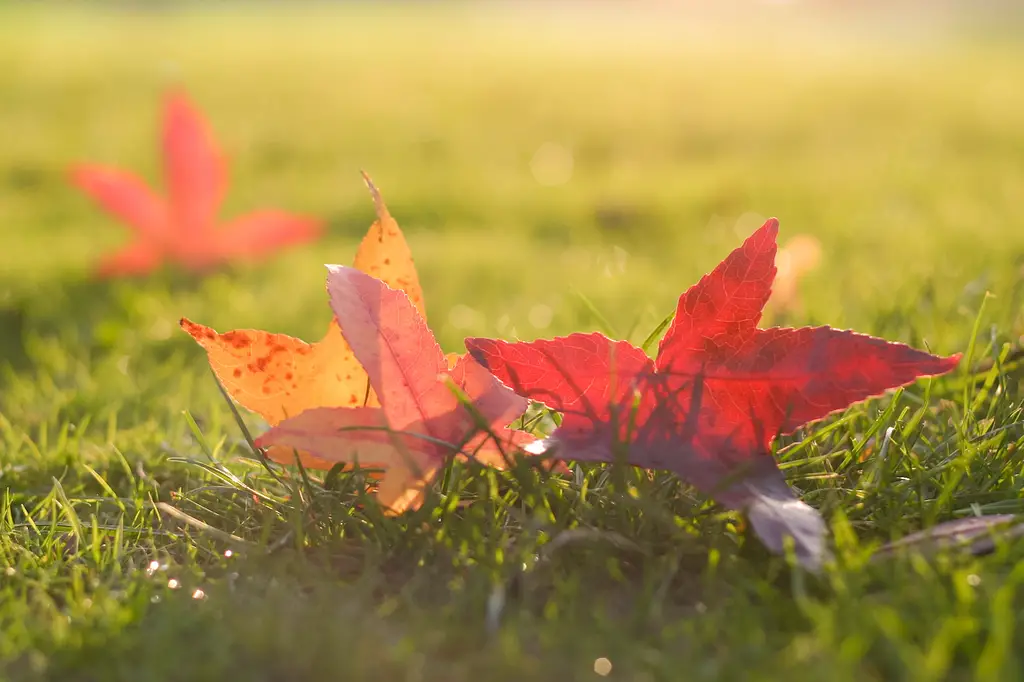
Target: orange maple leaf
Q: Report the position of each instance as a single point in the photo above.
(279, 376)
(284, 378)
(183, 227)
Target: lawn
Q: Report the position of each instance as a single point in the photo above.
(553, 172)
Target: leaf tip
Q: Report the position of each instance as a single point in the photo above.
(343, 275)
(945, 364)
(176, 99)
(776, 518)
(201, 333)
(378, 201)
(475, 346)
(77, 172)
(767, 235)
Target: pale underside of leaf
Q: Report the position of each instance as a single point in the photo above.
(427, 423)
(776, 514)
(779, 517)
(496, 403)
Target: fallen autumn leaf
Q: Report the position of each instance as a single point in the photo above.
(717, 395)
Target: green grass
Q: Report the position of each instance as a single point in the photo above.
(899, 150)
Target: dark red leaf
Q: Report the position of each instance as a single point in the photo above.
(718, 393)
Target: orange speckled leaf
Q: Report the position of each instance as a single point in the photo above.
(279, 376)
(385, 254)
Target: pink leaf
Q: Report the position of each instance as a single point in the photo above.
(495, 402)
(393, 344)
(341, 434)
(495, 448)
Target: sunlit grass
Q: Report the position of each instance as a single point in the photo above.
(902, 158)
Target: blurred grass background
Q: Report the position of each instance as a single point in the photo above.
(536, 156)
(663, 140)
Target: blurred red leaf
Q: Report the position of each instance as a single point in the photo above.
(183, 227)
(717, 395)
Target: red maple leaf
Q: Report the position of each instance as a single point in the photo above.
(183, 228)
(420, 423)
(717, 395)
